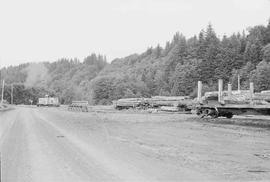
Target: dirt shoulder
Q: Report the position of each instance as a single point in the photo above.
(244, 120)
(173, 146)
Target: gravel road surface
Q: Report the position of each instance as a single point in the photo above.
(53, 145)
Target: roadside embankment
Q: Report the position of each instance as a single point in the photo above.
(5, 107)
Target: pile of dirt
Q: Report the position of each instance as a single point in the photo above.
(4, 107)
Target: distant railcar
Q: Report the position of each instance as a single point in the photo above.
(48, 101)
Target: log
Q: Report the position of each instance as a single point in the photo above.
(169, 109)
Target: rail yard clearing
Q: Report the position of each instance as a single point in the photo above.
(52, 144)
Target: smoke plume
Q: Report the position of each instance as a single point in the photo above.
(37, 75)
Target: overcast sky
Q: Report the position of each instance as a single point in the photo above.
(45, 30)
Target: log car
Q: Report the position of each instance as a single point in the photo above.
(228, 110)
(78, 106)
(242, 103)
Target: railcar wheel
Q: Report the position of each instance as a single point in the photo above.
(213, 113)
(229, 115)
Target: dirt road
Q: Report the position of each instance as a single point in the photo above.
(47, 144)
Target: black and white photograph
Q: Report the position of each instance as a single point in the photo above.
(134, 90)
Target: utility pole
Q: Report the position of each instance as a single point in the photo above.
(11, 102)
(3, 88)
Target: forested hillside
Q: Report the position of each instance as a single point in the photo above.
(170, 70)
(68, 79)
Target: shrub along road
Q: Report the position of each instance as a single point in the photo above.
(48, 144)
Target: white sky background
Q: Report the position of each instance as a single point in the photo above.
(35, 30)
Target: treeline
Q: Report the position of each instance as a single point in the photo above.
(24, 95)
(170, 70)
(176, 68)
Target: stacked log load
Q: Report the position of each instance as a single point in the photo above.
(130, 103)
(237, 97)
(240, 97)
(158, 101)
(262, 96)
(185, 103)
(167, 103)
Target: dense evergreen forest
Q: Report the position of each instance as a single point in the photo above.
(170, 70)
